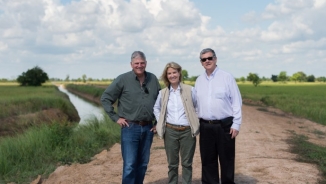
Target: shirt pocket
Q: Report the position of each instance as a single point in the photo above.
(219, 93)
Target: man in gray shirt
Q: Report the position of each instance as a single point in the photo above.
(136, 92)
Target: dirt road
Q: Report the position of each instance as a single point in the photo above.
(262, 155)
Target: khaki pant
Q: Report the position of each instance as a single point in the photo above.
(179, 142)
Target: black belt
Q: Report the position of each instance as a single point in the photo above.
(210, 121)
(141, 123)
(177, 127)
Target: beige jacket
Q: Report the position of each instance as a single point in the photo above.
(185, 91)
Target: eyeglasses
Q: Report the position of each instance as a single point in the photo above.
(144, 88)
(204, 59)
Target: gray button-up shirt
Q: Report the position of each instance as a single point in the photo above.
(135, 102)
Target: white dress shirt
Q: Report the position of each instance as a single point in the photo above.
(175, 112)
(218, 97)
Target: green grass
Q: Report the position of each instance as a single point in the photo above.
(41, 149)
(17, 100)
(302, 100)
(23, 107)
(310, 153)
(95, 91)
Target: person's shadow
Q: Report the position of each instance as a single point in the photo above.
(165, 181)
(238, 178)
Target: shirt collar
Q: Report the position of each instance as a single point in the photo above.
(135, 76)
(171, 89)
(212, 74)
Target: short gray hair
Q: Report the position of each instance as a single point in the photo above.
(204, 51)
(138, 54)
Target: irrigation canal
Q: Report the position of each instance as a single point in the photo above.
(86, 110)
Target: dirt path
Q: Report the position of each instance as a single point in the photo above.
(262, 155)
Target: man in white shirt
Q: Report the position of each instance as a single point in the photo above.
(219, 111)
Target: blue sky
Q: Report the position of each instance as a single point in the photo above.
(97, 37)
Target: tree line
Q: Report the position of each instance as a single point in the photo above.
(283, 78)
(36, 76)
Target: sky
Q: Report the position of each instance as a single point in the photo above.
(97, 37)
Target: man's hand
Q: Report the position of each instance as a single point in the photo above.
(153, 129)
(122, 122)
(233, 133)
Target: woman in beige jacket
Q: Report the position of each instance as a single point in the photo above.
(177, 122)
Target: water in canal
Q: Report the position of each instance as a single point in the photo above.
(85, 109)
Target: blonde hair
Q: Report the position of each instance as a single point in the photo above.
(164, 76)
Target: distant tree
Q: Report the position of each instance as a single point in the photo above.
(242, 79)
(303, 77)
(274, 78)
(184, 75)
(250, 77)
(256, 81)
(84, 77)
(321, 79)
(33, 77)
(55, 79)
(282, 77)
(299, 76)
(254, 78)
(67, 78)
(311, 78)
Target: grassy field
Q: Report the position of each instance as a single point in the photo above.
(22, 107)
(16, 100)
(303, 100)
(94, 90)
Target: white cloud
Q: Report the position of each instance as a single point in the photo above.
(96, 37)
(3, 47)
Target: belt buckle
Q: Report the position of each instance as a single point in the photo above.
(180, 127)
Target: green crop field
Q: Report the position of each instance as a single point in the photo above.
(303, 100)
(16, 100)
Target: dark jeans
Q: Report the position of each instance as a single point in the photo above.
(216, 145)
(136, 142)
